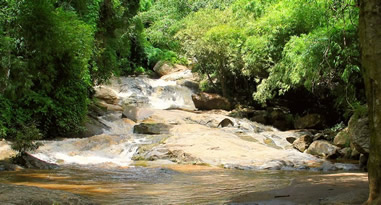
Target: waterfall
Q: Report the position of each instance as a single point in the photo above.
(94, 150)
(118, 144)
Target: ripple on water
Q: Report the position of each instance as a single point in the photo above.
(153, 185)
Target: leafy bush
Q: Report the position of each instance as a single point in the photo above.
(25, 137)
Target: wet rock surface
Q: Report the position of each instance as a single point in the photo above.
(160, 107)
(28, 161)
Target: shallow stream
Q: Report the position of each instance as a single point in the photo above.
(100, 167)
(177, 184)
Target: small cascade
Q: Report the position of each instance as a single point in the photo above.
(152, 93)
(118, 144)
(101, 149)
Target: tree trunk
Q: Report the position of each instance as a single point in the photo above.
(370, 41)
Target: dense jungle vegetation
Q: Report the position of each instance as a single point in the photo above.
(259, 52)
(251, 51)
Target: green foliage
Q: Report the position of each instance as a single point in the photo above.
(267, 48)
(5, 116)
(51, 53)
(326, 60)
(25, 137)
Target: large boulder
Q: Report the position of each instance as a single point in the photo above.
(165, 68)
(12, 194)
(208, 101)
(152, 128)
(107, 95)
(136, 113)
(309, 121)
(324, 149)
(28, 161)
(358, 130)
(302, 143)
(192, 85)
(92, 127)
(342, 139)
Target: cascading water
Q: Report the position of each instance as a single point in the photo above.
(101, 149)
(106, 176)
(152, 93)
(118, 144)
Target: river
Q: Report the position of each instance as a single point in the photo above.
(103, 168)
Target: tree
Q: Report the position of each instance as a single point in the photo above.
(370, 40)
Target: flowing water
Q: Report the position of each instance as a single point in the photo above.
(139, 185)
(100, 167)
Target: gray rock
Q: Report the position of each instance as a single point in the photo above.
(358, 129)
(320, 136)
(324, 149)
(28, 161)
(6, 165)
(346, 153)
(157, 153)
(180, 156)
(291, 139)
(192, 85)
(363, 161)
(152, 128)
(164, 68)
(107, 95)
(342, 139)
(355, 154)
(93, 127)
(208, 101)
(137, 114)
(302, 143)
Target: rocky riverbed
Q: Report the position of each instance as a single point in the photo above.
(138, 121)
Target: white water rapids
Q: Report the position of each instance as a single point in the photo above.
(193, 136)
(118, 144)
